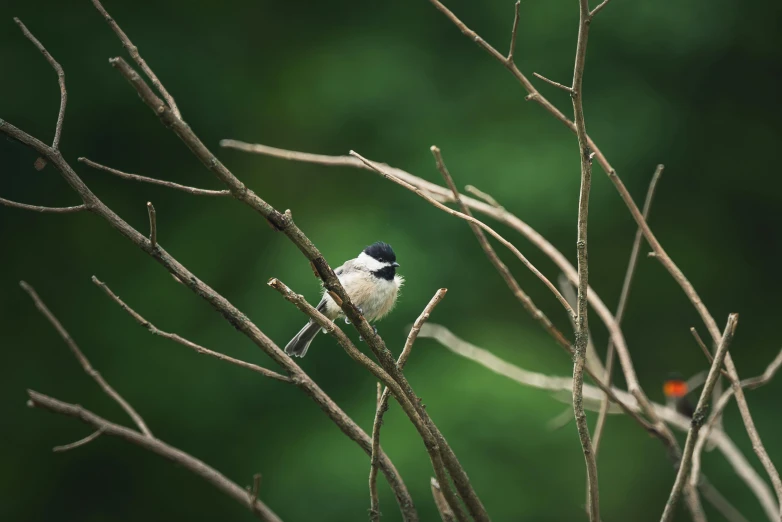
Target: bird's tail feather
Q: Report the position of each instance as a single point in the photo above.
(298, 346)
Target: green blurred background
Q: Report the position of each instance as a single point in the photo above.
(693, 85)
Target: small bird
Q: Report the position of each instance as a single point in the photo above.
(676, 390)
(372, 284)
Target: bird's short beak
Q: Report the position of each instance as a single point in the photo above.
(395, 264)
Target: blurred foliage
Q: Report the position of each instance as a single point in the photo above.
(693, 85)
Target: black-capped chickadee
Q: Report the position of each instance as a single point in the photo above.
(372, 284)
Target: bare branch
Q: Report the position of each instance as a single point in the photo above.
(622, 306)
(184, 342)
(588, 144)
(752, 383)
(558, 85)
(423, 429)
(514, 31)
(474, 221)
(446, 513)
(152, 224)
(593, 395)
(45, 210)
(382, 401)
(73, 445)
(144, 179)
(133, 52)
(180, 458)
(85, 364)
(698, 418)
(582, 324)
(60, 79)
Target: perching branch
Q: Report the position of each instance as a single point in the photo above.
(149, 443)
(84, 362)
(698, 418)
(231, 313)
(284, 223)
(405, 402)
(382, 402)
(184, 342)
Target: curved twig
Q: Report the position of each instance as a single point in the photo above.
(179, 457)
(84, 362)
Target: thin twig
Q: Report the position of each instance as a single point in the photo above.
(184, 342)
(705, 350)
(699, 417)
(474, 221)
(60, 79)
(256, 488)
(382, 401)
(179, 457)
(380, 373)
(767, 375)
(133, 52)
(45, 210)
(83, 361)
(513, 32)
(558, 85)
(152, 224)
(446, 513)
(598, 8)
(144, 179)
(81, 442)
(622, 306)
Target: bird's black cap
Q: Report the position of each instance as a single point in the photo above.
(381, 251)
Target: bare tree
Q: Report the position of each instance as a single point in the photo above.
(452, 491)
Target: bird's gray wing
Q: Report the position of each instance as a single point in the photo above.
(338, 271)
